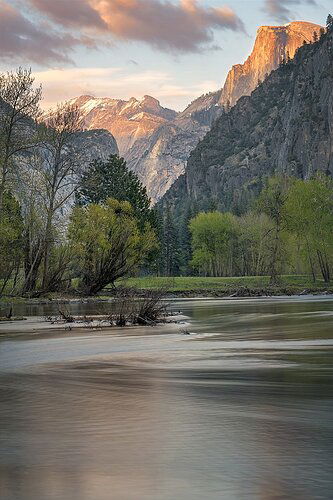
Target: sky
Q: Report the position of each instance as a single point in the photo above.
(173, 50)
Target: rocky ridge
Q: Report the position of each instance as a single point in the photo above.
(272, 45)
(285, 126)
(128, 121)
(156, 141)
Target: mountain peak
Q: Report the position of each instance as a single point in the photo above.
(128, 121)
(149, 99)
(272, 44)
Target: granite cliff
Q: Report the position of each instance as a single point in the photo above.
(272, 45)
(285, 126)
(156, 141)
(161, 157)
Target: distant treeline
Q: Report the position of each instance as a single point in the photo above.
(289, 229)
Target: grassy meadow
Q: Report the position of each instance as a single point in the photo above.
(292, 284)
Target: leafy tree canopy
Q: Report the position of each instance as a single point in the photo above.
(11, 227)
(212, 237)
(108, 243)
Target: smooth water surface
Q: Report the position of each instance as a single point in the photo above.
(242, 408)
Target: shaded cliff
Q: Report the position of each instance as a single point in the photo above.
(285, 126)
(160, 158)
(97, 143)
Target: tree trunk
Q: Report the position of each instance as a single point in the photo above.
(274, 273)
(47, 245)
(324, 266)
(310, 261)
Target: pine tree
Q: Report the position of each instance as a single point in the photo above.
(112, 179)
(170, 247)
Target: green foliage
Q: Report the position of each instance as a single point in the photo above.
(112, 179)
(309, 212)
(108, 243)
(272, 198)
(170, 245)
(213, 235)
(254, 242)
(11, 242)
(271, 203)
(11, 227)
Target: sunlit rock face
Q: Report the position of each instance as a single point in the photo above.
(155, 141)
(284, 127)
(160, 158)
(272, 45)
(128, 121)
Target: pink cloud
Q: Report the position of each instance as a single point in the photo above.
(70, 13)
(181, 27)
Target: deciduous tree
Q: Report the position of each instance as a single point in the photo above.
(19, 109)
(108, 243)
(214, 237)
(271, 203)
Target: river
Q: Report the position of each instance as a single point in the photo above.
(239, 408)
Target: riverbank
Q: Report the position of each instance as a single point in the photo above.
(241, 286)
(187, 287)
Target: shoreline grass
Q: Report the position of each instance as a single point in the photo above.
(184, 284)
(195, 286)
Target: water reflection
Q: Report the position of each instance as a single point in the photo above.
(173, 417)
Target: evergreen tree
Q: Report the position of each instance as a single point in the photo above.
(112, 179)
(329, 23)
(169, 245)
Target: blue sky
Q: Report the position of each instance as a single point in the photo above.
(126, 62)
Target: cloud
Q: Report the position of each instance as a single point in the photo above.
(177, 27)
(70, 13)
(117, 82)
(22, 39)
(280, 9)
